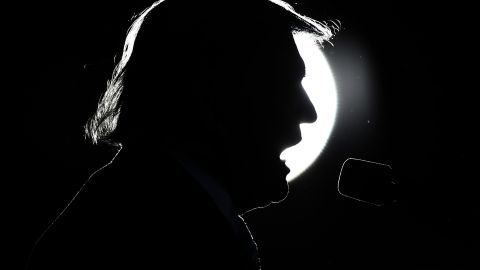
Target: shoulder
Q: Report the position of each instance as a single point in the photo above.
(143, 213)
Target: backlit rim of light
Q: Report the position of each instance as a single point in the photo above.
(319, 84)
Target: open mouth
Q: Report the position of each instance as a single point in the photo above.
(284, 166)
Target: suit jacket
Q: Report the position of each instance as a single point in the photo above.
(142, 213)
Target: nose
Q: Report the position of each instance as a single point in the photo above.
(307, 112)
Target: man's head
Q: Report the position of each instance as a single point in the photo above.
(222, 78)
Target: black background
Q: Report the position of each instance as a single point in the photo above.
(403, 72)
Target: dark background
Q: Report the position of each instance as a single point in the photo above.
(403, 73)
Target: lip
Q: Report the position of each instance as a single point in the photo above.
(286, 169)
(284, 165)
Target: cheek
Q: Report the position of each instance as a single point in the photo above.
(260, 117)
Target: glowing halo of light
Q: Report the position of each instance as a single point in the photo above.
(319, 84)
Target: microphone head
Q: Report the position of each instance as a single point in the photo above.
(367, 181)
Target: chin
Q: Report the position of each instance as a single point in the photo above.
(281, 193)
(266, 184)
(279, 198)
(280, 179)
(275, 192)
(275, 182)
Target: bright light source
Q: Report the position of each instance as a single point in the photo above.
(319, 85)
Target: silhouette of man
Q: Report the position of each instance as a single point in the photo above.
(206, 96)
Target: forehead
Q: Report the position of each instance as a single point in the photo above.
(278, 56)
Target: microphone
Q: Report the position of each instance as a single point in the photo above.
(368, 182)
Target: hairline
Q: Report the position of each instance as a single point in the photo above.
(103, 123)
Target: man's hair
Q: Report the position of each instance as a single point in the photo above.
(102, 125)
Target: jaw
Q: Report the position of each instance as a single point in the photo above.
(258, 188)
